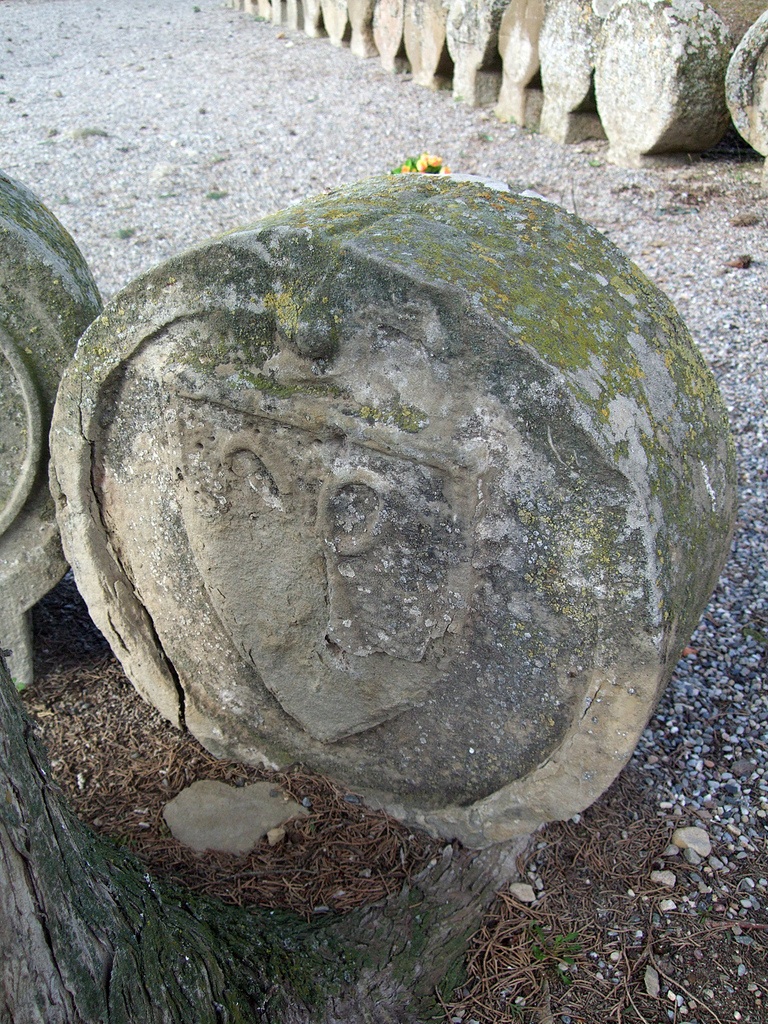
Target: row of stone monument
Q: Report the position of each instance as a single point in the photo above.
(421, 483)
(647, 74)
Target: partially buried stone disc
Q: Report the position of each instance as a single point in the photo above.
(47, 299)
(420, 483)
(746, 87)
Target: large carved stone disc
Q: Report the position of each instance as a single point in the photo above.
(410, 482)
(47, 299)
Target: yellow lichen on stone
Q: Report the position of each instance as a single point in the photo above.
(286, 310)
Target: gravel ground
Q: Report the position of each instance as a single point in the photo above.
(149, 125)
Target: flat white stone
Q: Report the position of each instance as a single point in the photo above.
(523, 892)
(210, 815)
(692, 838)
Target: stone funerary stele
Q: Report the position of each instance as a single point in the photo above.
(419, 482)
(47, 299)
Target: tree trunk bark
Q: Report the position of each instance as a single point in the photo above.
(87, 936)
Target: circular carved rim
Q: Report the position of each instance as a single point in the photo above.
(26, 478)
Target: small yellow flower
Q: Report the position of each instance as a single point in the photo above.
(426, 163)
(445, 169)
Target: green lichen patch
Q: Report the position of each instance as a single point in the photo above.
(404, 417)
(277, 389)
(47, 293)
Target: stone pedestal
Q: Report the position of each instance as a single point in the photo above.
(362, 43)
(567, 46)
(424, 29)
(472, 34)
(258, 8)
(519, 49)
(659, 75)
(279, 12)
(411, 483)
(388, 18)
(313, 19)
(47, 298)
(294, 14)
(336, 21)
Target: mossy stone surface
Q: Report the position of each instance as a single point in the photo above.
(418, 482)
(47, 299)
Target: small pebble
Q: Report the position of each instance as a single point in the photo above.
(275, 836)
(665, 878)
(523, 892)
(692, 838)
(742, 767)
(651, 979)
